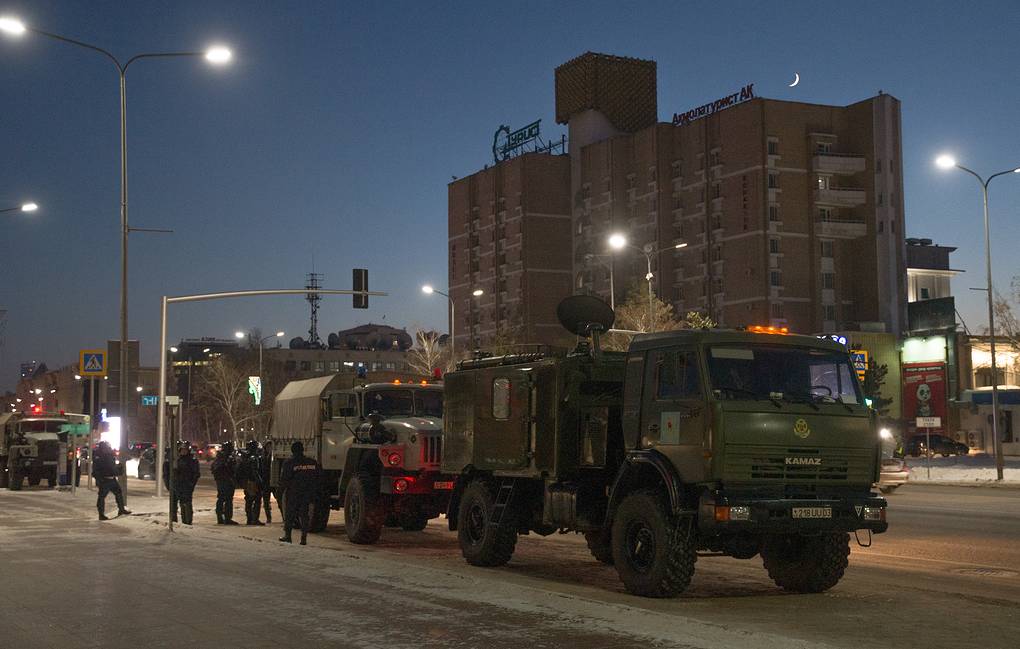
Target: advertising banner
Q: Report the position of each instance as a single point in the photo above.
(924, 394)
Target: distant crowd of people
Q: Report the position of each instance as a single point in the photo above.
(299, 483)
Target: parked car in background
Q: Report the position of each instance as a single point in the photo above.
(895, 473)
(940, 445)
(210, 452)
(136, 449)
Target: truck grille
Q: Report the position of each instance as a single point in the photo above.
(432, 450)
(797, 465)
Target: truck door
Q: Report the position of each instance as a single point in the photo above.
(338, 432)
(673, 408)
(503, 414)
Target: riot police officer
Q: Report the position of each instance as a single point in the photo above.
(106, 470)
(186, 473)
(224, 470)
(377, 433)
(299, 482)
(249, 477)
(265, 467)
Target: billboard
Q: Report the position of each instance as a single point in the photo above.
(924, 394)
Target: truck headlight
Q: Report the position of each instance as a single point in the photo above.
(885, 433)
(873, 514)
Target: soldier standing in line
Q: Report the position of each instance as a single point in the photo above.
(299, 482)
(265, 466)
(106, 469)
(186, 473)
(224, 470)
(249, 477)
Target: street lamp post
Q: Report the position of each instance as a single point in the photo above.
(948, 162)
(429, 290)
(241, 335)
(216, 55)
(24, 207)
(612, 290)
(618, 241)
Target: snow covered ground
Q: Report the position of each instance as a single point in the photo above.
(969, 469)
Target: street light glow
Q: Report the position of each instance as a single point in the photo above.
(617, 241)
(138, 389)
(29, 207)
(427, 290)
(945, 161)
(218, 55)
(680, 245)
(478, 292)
(173, 350)
(239, 334)
(12, 26)
(279, 334)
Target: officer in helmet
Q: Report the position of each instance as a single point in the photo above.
(105, 470)
(377, 433)
(186, 472)
(224, 470)
(249, 477)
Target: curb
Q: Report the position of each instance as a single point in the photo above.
(986, 484)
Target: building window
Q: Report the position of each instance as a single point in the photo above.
(334, 366)
(829, 312)
(678, 293)
(676, 169)
(653, 175)
(824, 213)
(823, 147)
(716, 190)
(880, 198)
(773, 181)
(775, 278)
(826, 248)
(773, 147)
(776, 310)
(306, 366)
(828, 280)
(676, 201)
(881, 226)
(773, 212)
(823, 182)
(717, 221)
(878, 166)
(718, 285)
(717, 253)
(630, 181)
(713, 158)
(290, 366)
(924, 294)
(774, 246)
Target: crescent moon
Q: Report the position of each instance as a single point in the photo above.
(796, 79)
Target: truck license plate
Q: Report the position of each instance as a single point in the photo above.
(443, 485)
(812, 512)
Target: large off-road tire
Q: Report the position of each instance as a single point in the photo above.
(34, 478)
(320, 514)
(16, 479)
(806, 564)
(482, 543)
(53, 479)
(363, 510)
(654, 552)
(600, 545)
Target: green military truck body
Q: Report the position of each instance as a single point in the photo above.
(723, 441)
(32, 447)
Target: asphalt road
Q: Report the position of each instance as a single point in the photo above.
(947, 574)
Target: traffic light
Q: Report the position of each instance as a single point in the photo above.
(360, 284)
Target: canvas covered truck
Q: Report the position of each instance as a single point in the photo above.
(730, 442)
(387, 476)
(33, 448)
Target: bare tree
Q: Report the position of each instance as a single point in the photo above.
(427, 353)
(223, 389)
(633, 315)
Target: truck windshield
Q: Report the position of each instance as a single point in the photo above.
(781, 372)
(390, 403)
(42, 426)
(428, 403)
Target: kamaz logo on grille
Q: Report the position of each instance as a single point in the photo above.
(804, 461)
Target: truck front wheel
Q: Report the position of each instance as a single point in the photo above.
(481, 542)
(654, 552)
(806, 564)
(320, 513)
(363, 511)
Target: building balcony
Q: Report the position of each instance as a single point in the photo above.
(841, 196)
(839, 163)
(841, 229)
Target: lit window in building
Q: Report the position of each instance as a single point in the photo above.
(774, 246)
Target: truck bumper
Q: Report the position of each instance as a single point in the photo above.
(722, 514)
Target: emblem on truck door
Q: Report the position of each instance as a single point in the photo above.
(801, 429)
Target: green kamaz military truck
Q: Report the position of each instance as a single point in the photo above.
(387, 476)
(721, 441)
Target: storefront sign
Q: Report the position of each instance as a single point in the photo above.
(924, 393)
(744, 94)
(860, 359)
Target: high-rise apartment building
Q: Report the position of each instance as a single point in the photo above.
(791, 212)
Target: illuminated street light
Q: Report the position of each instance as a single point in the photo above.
(478, 292)
(138, 389)
(24, 207)
(12, 26)
(946, 161)
(617, 241)
(216, 55)
(427, 289)
(173, 350)
(77, 377)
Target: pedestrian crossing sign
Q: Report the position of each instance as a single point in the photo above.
(92, 362)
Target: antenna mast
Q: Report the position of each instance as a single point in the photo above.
(314, 282)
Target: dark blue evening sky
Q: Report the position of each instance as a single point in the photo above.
(331, 138)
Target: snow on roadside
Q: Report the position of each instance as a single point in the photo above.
(969, 469)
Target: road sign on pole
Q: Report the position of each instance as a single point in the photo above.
(927, 423)
(92, 362)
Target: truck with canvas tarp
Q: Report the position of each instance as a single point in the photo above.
(379, 445)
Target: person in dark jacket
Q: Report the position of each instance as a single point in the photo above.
(377, 432)
(266, 466)
(106, 469)
(186, 473)
(224, 470)
(249, 477)
(299, 481)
